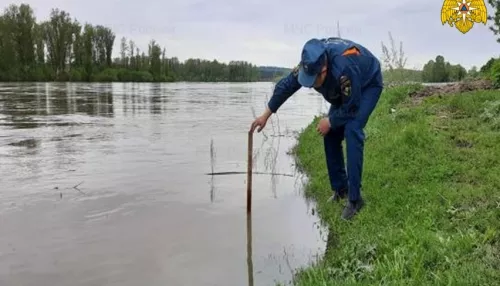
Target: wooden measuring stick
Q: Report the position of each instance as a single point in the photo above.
(249, 171)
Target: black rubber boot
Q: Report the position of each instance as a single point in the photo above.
(352, 208)
(337, 196)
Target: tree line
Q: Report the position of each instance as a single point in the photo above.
(435, 70)
(440, 71)
(63, 49)
(394, 61)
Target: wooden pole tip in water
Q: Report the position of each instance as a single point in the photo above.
(249, 171)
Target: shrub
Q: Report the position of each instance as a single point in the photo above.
(491, 114)
(495, 73)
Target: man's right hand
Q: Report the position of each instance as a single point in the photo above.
(261, 121)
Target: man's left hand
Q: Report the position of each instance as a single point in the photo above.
(324, 126)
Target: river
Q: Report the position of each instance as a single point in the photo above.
(106, 184)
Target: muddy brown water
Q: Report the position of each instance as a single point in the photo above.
(105, 184)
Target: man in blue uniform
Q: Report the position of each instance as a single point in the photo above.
(349, 77)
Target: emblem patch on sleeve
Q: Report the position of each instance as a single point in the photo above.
(295, 70)
(345, 85)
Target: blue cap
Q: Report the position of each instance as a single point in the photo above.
(311, 62)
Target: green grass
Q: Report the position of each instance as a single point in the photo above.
(431, 183)
(402, 75)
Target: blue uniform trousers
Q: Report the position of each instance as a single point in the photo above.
(353, 132)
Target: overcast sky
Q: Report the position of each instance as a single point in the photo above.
(267, 32)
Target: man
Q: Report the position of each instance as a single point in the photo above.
(349, 77)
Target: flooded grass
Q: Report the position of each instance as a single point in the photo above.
(212, 164)
(432, 214)
(212, 155)
(243, 173)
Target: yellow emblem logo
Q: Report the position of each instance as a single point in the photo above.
(463, 14)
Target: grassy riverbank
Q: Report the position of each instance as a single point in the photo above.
(432, 191)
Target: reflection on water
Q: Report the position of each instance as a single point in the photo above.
(106, 184)
(249, 249)
(27, 106)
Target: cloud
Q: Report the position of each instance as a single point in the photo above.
(273, 32)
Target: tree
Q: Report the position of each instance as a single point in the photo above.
(495, 18)
(440, 74)
(88, 51)
(24, 22)
(58, 33)
(62, 49)
(455, 72)
(393, 59)
(155, 60)
(428, 72)
(439, 70)
(473, 72)
(9, 69)
(487, 66)
(123, 52)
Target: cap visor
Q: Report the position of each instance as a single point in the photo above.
(305, 79)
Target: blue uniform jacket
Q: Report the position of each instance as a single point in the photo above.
(362, 70)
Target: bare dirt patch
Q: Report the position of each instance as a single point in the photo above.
(450, 88)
